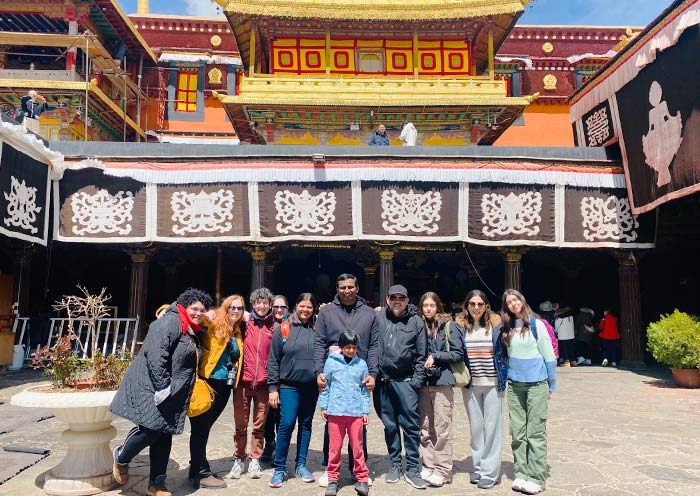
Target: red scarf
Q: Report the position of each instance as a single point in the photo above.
(186, 321)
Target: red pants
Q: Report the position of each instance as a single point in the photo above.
(245, 397)
(337, 427)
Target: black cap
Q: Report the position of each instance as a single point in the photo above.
(397, 289)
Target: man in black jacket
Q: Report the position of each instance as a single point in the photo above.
(403, 346)
(347, 311)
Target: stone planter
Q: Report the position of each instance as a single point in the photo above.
(687, 378)
(87, 467)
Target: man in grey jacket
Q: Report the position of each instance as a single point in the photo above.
(403, 350)
(347, 311)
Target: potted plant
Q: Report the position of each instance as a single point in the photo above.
(674, 340)
(80, 393)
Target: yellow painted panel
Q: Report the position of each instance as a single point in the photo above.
(284, 42)
(399, 43)
(317, 43)
(285, 60)
(370, 43)
(342, 43)
(399, 61)
(313, 59)
(437, 140)
(455, 44)
(343, 60)
(430, 61)
(192, 82)
(428, 44)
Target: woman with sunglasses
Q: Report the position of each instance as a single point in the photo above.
(532, 380)
(487, 361)
(280, 312)
(221, 354)
(292, 386)
(436, 398)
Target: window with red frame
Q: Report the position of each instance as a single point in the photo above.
(186, 96)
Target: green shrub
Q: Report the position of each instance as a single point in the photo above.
(674, 340)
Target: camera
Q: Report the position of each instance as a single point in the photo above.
(231, 376)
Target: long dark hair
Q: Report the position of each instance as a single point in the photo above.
(294, 319)
(487, 318)
(508, 318)
(440, 315)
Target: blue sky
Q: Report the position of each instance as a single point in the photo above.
(577, 12)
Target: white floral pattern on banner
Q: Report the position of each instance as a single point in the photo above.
(608, 219)
(305, 212)
(102, 212)
(511, 214)
(21, 206)
(197, 212)
(414, 212)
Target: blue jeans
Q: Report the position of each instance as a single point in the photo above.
(296, 403)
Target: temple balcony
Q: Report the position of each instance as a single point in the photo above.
(40, 75)
(320, 109)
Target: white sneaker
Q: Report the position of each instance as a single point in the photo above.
(518, 484)
(614, 364)
(587, 361)
(605, 362)
(425, 473)
(580, 360)
(254, 470)
(323, 480)
(531, 488)
(236, 470)
(434, 480)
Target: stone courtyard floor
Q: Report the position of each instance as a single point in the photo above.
(611, 432)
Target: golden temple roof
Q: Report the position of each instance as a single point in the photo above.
(416, 10)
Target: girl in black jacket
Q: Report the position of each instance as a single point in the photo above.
(292, 386)
(436, 399)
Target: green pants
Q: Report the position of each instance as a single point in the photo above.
(527, 411)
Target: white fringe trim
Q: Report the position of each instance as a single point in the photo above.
(593, 180)
(646, 54)
(189, 57)
(526, 60)
(192, 140)
(575, 58)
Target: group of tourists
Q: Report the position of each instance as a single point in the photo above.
(408, 358)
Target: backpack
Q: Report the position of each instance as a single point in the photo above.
(550, 330)
(284, 327)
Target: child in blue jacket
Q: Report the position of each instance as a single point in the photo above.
(345, 406)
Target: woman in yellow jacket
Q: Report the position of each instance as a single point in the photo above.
(222, 358)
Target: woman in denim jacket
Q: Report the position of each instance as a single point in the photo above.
(487, 360)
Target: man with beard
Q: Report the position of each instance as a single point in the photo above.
(347, 312)
(403, 349)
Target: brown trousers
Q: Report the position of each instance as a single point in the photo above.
(435, 404)
(243, 398)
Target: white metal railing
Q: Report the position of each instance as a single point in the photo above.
(111, 335)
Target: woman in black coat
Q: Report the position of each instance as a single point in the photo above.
(156, 389)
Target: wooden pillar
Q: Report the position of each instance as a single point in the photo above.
(328, 50)
(491, 54)
(270, 276)
(138, 289)
(72, 52)
(416, 59)
(512, 257)
(630, 320)
(251, 48)
(386, 273)
(257, 277)
(368, 289)
(22, 264)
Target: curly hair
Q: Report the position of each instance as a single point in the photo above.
(261, 294)
(224, 327)
(192, 295)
